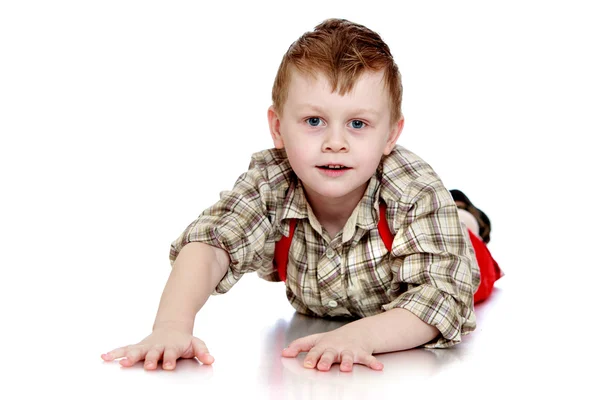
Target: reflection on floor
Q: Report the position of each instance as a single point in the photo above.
(247, 329)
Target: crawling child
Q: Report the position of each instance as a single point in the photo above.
(354, 224)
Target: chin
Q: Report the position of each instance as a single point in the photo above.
(333, 194)
(333, 191)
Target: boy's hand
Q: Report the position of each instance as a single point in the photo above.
(347, 346)
(167, 344)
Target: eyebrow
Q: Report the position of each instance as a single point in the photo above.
(356, 111)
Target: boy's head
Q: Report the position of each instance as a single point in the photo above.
(336, 109)
(341, 50)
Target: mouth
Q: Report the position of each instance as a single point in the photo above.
(333, 167)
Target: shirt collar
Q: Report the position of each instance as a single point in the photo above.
(365, 216)
(293, 204)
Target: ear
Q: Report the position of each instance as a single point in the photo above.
(394, 135)
(274, 126)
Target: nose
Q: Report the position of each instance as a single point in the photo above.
(334, 141)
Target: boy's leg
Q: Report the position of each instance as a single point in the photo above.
(469, 220)
(484, 223)
(479, 227)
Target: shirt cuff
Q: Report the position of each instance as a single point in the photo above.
(211, 237)
(438, 309)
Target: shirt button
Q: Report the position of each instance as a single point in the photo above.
(330, 253)
(332, 303)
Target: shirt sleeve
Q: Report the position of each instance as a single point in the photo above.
(434, 269)
(238, 223)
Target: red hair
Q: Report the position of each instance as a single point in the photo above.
(342, 51)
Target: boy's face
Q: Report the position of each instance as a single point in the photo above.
(321, 130)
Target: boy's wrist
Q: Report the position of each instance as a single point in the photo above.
(180, 325)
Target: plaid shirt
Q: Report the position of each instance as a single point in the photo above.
(430, 271)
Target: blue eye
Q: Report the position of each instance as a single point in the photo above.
(356, 124)
(313, 121)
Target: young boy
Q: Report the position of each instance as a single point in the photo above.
(339, 185)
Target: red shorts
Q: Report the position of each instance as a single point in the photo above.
(488, 268)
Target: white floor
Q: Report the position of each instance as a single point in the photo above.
(512, 353)
(522, 347)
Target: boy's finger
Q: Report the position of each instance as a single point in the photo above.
(371, 362)
(201, 351)
(298, 346)
(327, 358)
(113, 354)
(313, 356)
(169, 358)
(347, 361)
(290, 351)
(132, 356)
(152, 358)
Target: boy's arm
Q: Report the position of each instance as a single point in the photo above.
(196, 271)
(356, 342)
(195, 274)
(394, 330)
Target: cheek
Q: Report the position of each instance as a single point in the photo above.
(298, 147)
(297, 156)
(371, 154)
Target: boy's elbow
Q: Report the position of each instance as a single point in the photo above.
(222, 261)
(218, 259)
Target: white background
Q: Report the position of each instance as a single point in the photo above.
(120, 121)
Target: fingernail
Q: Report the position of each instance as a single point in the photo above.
(168, 365)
